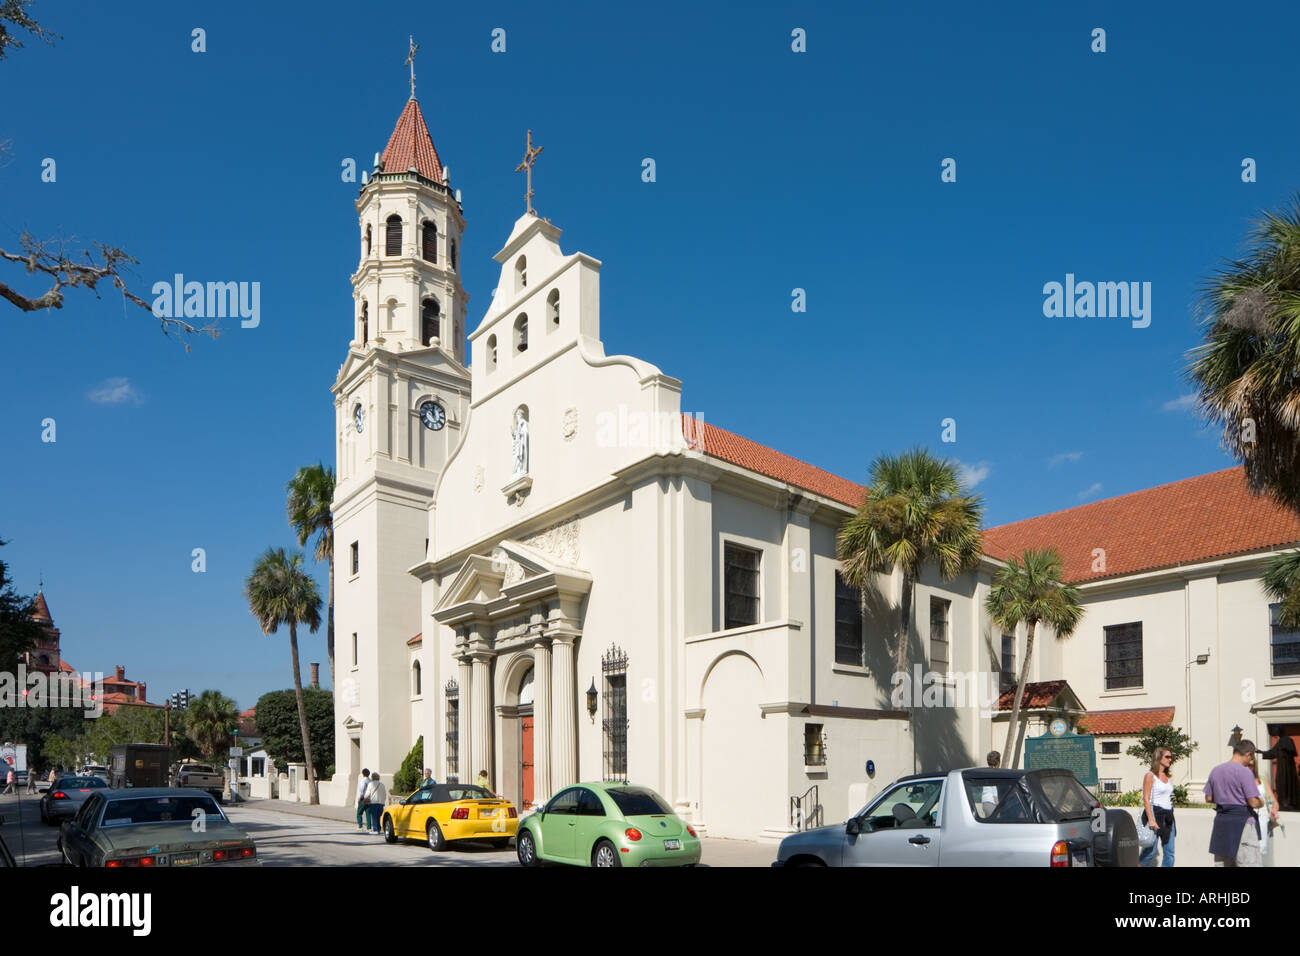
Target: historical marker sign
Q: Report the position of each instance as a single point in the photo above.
(1074, 752)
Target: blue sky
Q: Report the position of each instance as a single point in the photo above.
(775, 171)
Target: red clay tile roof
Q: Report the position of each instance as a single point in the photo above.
(415, 640)
(67, 668)
(1132, 721)
(41, 610)
(730, 447)
(410, 145)
(1037, 694)
(1196, 519)
(248, 714)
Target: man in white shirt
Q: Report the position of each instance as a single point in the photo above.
(363, 788)
(376, 795)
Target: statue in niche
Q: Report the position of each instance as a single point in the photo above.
(520, 443)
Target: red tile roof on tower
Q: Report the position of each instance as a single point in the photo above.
(412, 146)
(748, 454)
(1197, 519)
(415, 640)
(41, 610)
(1131, 721)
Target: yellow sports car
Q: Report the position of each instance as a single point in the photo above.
(451, 811)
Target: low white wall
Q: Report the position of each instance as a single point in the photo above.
(1192, 842)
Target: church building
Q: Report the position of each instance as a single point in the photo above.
(550, 573)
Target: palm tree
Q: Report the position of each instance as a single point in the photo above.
(209, 720)
(311, 494)
(1030, 590)
(280, 592)
(915, 511)
(1245, 372)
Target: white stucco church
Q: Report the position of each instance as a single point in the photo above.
(549, 573)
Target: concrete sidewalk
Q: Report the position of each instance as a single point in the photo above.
(716, 852)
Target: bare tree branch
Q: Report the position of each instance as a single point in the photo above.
(13, 16)
(50, 257)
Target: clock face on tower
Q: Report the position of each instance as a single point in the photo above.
(359, 419)
(433, 415)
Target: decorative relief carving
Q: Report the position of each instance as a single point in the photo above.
(561, 541)
(570, 426)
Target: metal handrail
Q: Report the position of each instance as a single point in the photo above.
(803, 814)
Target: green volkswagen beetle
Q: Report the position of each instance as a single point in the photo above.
(607, 824)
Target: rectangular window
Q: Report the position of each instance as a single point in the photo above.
(614, 725)
(453, 732)
(259, 766)
(1110, 748)
(354, 649)
(939, 634)
(1284, 645)
(848, 623)
(814, 746)
(1007, 680)
(741, 585)
(1123, 656)
(1111, 785)
(356, 557)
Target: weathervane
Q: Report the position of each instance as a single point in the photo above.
(410, 61)
(530, 157)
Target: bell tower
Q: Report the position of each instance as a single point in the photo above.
(401, 399)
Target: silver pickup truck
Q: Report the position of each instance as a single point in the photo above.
(200, 776)
(976, 817)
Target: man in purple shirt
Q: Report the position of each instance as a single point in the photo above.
(1231, 787)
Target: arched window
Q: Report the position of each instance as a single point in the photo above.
(492, 353)
(521, 273)
(415, 679)
(365, 322)
(367, 240)
(393, 239)
(429, 242)
(392, 315)
(451, 253)
(553, 308)
(429, 315)
(521, 333)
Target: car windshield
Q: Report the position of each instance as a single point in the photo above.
(635, 802)
(80, 783)
(144, 810)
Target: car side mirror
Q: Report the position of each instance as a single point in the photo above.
(853, 827)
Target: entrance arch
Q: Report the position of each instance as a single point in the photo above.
(733, 752)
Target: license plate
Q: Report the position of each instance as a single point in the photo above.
(672, 844)
(487, 814)
(185, 859)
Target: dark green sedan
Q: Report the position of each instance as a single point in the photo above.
(154, 827)
(607, 824)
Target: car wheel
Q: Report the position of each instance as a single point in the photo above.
(526, 849)
(605, 854)
(500, 842)
(436, 840)
(390, 836)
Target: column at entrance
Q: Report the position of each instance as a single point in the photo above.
(564, 768)
(465, 680)
(481, 703)
(542, 722)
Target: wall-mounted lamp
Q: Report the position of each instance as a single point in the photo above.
(592, 695)
(1236, 736)
(1203, 658)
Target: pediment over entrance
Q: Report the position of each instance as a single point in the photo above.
(1284, 708)
(512, 577)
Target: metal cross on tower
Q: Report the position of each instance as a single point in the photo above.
(410, 61)
(530, 157)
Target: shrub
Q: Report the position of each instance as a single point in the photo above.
(407, 779)
(1131, 798)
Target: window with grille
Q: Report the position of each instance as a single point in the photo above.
(1111, 785)
(1123, 659)
(614, 723)
(1007, 679)
(1110, 748)
(814, 745)
(453, 732)
(393, 236)
(740, 575)
(429, 242)
(848, 623)
(939, 634)
(1284, 645)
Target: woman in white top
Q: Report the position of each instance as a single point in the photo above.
(1158, 807)
(1269, 810)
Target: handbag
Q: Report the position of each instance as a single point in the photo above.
(1146, 836)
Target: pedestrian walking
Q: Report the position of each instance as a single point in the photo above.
(1231, 787)
(11, 778)
(377, 795)
(52, 777)
(363, 788)
(1267, 814)
(31, 781)
(1158, 804)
